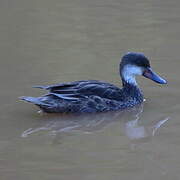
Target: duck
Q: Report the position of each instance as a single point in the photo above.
(91, 96)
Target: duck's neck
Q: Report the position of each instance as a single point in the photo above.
(132, 90)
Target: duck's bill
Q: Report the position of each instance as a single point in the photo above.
(148, 73)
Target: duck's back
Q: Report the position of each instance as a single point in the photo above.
(80, 96)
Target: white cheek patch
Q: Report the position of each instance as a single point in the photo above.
(130, 71)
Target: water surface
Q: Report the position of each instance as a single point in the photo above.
(45, 42)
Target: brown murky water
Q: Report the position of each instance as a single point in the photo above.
(44, 42)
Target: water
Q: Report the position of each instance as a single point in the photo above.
(45, 42)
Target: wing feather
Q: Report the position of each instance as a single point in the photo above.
(83, 89)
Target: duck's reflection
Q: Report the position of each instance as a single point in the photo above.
(134, 130)
(130, 122)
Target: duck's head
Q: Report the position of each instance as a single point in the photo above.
(133, 64)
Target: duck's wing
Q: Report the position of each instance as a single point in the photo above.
(83, 89)
(60, 86)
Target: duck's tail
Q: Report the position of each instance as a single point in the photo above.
(35, 100)
(38, 101)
